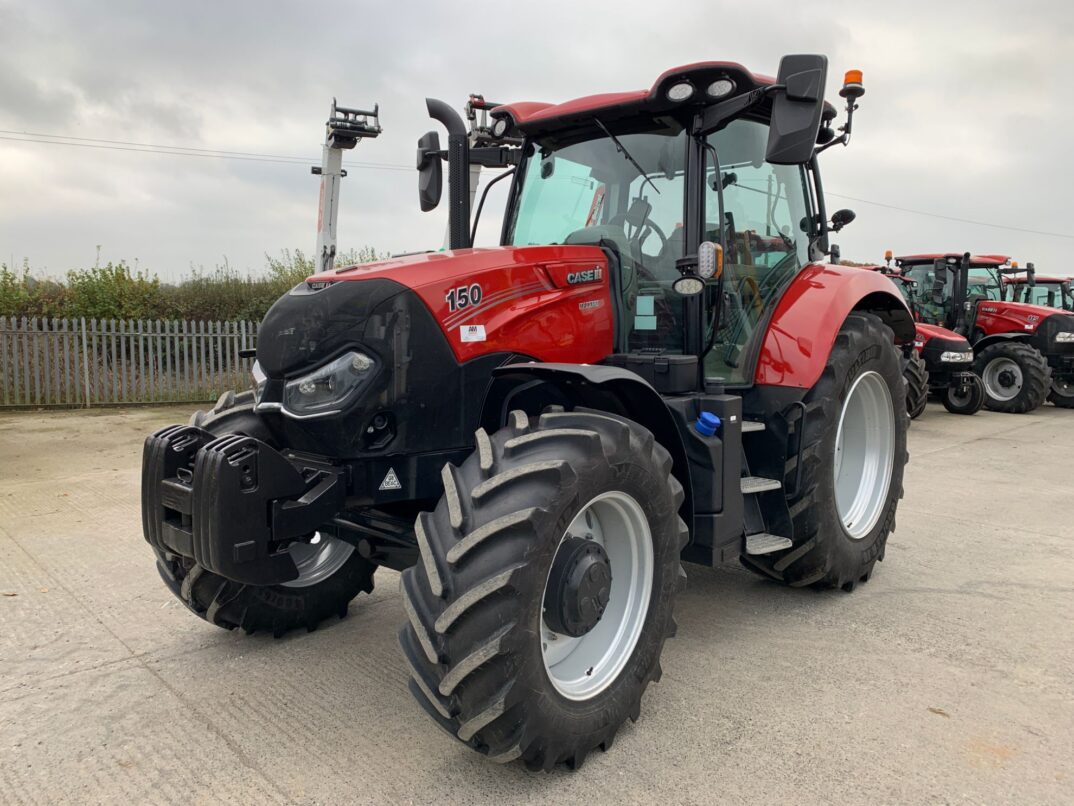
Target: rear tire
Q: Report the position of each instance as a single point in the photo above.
(968, 403)
(477, 636)
(917, 385)
(1062, 394)
(331, 573)
(1016, 377)
(827, 551)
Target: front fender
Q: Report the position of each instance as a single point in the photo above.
(803, 327)
(996, 338)
(606, 388)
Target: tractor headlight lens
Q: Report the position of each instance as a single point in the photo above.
(720, 87)
(957, 357)
(499, 127)
(324, 390)
(259, 380)
(681, 91)
(1065, 337)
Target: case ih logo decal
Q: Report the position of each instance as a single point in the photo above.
(592, 275)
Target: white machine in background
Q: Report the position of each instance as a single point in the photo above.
(344, 128)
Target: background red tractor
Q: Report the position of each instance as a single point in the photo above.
(1023, 353)
(940, 363)
(1033, 289)
(655, 366)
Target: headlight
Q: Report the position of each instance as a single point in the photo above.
(259, 380)
(1065, 337)
(957, 358)
(325, 389)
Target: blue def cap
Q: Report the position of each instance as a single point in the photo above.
(707, 423)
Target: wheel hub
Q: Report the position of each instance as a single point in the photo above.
(1006, 378)
(579, 585)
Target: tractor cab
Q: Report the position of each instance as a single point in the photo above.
(706, 156)
(1024, 352)
(1035, 289)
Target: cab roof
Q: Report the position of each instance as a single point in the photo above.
(976, 261)
(533, 117)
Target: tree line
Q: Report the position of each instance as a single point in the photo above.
(116, 291)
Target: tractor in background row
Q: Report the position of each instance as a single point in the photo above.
(656, 366)
(940, 362)
(1023, 353)
(1034, 289)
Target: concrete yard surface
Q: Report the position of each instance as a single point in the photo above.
(949, 677)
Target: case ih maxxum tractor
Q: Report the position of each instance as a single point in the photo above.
(940, 362)
(1024, 353)
(656, 366)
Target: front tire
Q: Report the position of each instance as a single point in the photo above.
(854, 453)
(486, 596)
(917, 385)
(968, 401)
(1062, 393)
(1015, 375)
(331, 572)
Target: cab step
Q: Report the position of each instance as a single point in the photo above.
(764, 543)
(752, 425)
(757, 484)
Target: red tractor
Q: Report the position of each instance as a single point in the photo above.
(1023, 353)
(656, 366)
(940, 363)
(1035, 289)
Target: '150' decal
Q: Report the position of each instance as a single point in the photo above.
(463, 296)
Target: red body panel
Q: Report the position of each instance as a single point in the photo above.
(926, 332)
(527, 303)
(1010, 317)
(807, 319)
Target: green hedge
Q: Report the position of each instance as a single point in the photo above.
(115, 291)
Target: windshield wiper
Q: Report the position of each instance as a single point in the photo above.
(622, 150)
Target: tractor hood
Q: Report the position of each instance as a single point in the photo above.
(995, 316)
(425, 270)
(482, 300)
(926, 333)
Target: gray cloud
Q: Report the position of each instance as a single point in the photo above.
(967, 113)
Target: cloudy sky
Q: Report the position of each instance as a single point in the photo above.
(969, 114)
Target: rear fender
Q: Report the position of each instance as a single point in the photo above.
(533, 386)
(803, 327)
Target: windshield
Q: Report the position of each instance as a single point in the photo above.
(1047, 293)
(591, 193)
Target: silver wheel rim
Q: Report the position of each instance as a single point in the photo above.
(994, 382)
(1063, 388)
(318, 559)
(580, 668)
(864, 454)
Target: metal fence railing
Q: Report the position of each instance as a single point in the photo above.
(90, 362)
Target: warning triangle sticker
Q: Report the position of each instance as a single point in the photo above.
(391, 481)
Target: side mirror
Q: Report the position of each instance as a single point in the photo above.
(840, 218)
(797, 109)
(938, 286)
(430, 171)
